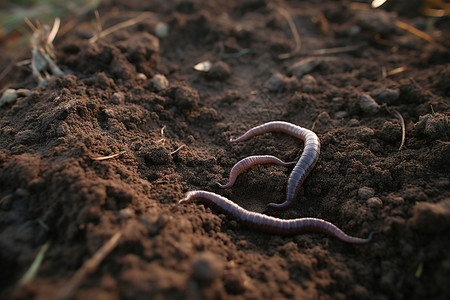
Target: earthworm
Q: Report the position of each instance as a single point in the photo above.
(304, 165)
(269, 224)
(247, 162)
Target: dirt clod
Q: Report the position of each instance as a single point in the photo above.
(431, 218)
(206, 267)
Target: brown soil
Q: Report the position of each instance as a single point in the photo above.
(52, 189)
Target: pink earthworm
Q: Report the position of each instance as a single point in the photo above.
(247, 162)
(270, 224)
(304, 165)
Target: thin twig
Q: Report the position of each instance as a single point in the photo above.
(298, 41)
(108, 157)
(34, 268)
(68, 290)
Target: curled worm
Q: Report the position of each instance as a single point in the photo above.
(304, 165)
(247, 162)
(270, 224)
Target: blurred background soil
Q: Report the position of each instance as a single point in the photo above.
(94, 161)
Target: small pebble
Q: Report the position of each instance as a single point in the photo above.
(206, 267)
(21, 192)
(387, 96)
(323, 118)
(118, 98)
(353, 122)
(341, 114)
(219, 71)
(395, 199)
(126, 213)
(338, 101)
(162, 30)
(435, 125)
(308, 83)
(23, 92)
(304, 66)
(275, 82)
(374, 202)
(203, 66)
(354, 30)
(160, 82)
(278, 82)
(366, 192)
(368, 104)
(141, 77)
(366, 133)
(9, 96)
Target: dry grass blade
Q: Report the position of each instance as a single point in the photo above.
(119, 26)
(435, 8)
(337, 50)
(34, 268)
(51, 36)
(419, 270)
(68, 290)
(298, 42)
(5, 198)
(108, 157)
(99, 22)
(30, 24)
(414, 31)
(385, 73)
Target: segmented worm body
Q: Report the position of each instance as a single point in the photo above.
(304, 165)
(247, 162)
(270, 224)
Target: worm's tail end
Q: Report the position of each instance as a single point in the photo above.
(280, 206)
(224, 186)
(369, 238)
